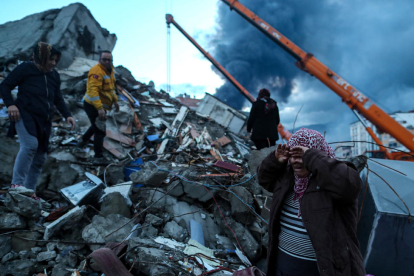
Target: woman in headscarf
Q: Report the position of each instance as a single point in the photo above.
(31, 112)
(263, 120)
(313, 216)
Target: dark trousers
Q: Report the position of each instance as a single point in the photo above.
(99, 135)
(260, 144)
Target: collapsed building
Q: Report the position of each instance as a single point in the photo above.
(180, 194)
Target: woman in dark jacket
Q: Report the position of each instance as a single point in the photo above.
(31, 113)
(264, 119)
(313, 215)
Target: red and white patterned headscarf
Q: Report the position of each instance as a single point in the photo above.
(311, 139)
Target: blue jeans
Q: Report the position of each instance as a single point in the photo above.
(29, 160)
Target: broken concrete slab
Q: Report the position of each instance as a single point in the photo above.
(56, 175)
(25, 240)
(67, 221)
(18, 268)
(149, 175)
(115, 203)
(153, 255)
(239, 210)
(153, 220)
(10, 220)
(71, 29)
(177, 190)
(46, 256)
(97, 231)
(5, 245)
(257, 156)
(23, 205)
(149, 232)
(175, 231)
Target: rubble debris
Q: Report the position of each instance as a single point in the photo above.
(67, 221)
(115, 203)
(188, 186)
(55, 26)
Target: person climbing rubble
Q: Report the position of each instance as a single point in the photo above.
(31, 113)
(313, 217)
(264, 120)
(99, 98)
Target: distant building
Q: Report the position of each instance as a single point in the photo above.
(359, 133)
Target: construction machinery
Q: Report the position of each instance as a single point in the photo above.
(283, 132)
(351, 96)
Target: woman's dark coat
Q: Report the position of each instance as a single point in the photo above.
(329, 210)
(264, 125)
(38, 94)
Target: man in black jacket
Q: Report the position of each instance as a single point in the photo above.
(264, 120)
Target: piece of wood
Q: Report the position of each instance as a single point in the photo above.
(227, 166)
(126, 128)
(111, 148)
(119, 137)
(222, 141)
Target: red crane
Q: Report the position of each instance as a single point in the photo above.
(349, 94)
(284, 133)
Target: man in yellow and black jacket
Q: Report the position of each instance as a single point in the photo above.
(99, 98)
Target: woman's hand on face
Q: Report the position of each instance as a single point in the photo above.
(14, 113)
(72, 122)
(298, 151)
(282, 153)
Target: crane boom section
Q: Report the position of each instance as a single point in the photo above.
(349, 94)
(170, 20)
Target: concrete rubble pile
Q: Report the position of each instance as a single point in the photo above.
(179, 197)
(177, 184)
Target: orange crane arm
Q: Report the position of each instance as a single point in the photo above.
(349, 94)
(284, 133)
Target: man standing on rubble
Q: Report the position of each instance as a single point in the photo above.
(313, 217)
(99, 98)
(264, 120)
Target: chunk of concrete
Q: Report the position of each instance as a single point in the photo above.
(175, 231)
(46, 256)
(114, 203)
(23, 205)
(239, 210)
(257, 156)
(149, 232)
(153, 220)
(57, 175)
(152, 255)
(177, 190)
(248, 243)
(65, 222)
(5, 245)
(100, 227)
(18, 268)
(24, 240)
(125, 114)
(11, 221)
(210, 228)
(149, 176)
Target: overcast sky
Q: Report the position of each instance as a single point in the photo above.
(369, 43)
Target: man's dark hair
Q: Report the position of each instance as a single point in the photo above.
(106, 51)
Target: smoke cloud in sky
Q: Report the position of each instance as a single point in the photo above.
(368, 43)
